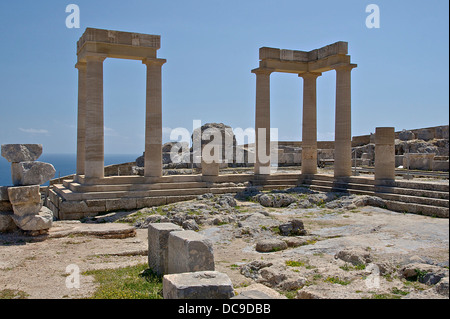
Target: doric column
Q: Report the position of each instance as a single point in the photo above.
(153, 119)
(343, 132)
(81, 125)
(309, 126)
(384, 154)
(262, 122)
(94, 156)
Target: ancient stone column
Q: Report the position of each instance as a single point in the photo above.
(384, 154)
(309, 126)
(94, 156)
(153, 119)
(343, 133)
(81, 127)
(262, 122)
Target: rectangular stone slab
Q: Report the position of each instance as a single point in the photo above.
(197, 285)
(189, 251)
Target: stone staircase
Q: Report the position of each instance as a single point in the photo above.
(76, 199)
(425, 198)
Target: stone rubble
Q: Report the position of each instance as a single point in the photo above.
(25, 197)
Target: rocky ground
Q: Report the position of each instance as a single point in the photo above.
(289, 244)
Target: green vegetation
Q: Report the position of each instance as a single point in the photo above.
(293, 263)
(13, 294)
(348, 267)
(336, 280)
(135, 282)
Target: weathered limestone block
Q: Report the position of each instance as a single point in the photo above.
(158, 246)
(425, 134)
(420, 161)
(270, 245)
(189, 251)
(31, 173)
(210, 169)
(6, 222)
(43, 220)
(26, 200)
(405, 135)
(15, 153)
(197, 285)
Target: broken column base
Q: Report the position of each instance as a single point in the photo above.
(197, 285)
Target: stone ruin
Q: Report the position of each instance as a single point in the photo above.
(186, 260)
(20, 205)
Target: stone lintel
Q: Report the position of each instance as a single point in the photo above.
(337, 48)
(117, 51)
(119, 38)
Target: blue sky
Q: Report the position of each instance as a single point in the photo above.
(211, 47)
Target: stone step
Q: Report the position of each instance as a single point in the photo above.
(413, 208)
(412, 191)
(414, 199)
(340, 185)
(321, 188)
(422, 185)
(76, 187)
(70, 195)
(291, 182)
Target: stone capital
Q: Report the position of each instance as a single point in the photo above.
(153, 61)
(80, 65)
(95, 57)
(264, 71)
(310, 75)
(345, 67)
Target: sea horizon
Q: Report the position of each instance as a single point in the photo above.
(64, 163)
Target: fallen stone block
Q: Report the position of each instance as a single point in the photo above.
(25, 200)
(6, 222)
(31, 173)
(24, 194)
(189, 251)
(43, 220)
(270, 245)
(197, 285)
(355, 256)
(15, 153)
(158, 246)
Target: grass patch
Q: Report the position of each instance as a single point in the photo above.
(293, 263)
(385, 296)
(13, 294)
(336, 280)
(135, 282)
(348, 267)
(397, 291)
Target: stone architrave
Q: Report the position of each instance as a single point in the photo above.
(15, 153)
(31, 173)
(158, 248)
(330, 57)
(93, 47)
(189, 251)
(197, 285)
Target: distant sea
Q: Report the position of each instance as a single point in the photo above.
(65, 164)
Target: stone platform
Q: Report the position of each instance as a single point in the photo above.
(75, 199)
